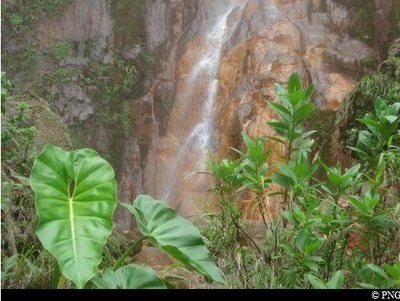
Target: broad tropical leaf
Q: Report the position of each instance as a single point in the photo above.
(174, 235)
(75, 199)
(131, 276)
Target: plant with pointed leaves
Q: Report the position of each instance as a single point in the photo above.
(331, 233)
(293, 109)
(378, 147)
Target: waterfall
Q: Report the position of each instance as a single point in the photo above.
(199, 139)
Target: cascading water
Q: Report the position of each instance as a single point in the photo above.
(197, 141)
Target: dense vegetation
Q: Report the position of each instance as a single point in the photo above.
(335, 231)
(384, 83)
(22, 262)
(341, 230)
(315, 223)
(75, 200)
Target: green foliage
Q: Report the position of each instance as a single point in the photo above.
(376, 145)
(9, 62)
(70, 187)
(5, 91)
(374, 276)
(61, 50)
(336, 281)
(122, 118)
(384, 83)
(52, 6)
(30, 269)
(16, 136)
(102, 70)
(254, 166)
(23, 263)
(330, 232)
(174, 235)
(23, 60)
(75, 199)
(228, 172)
(129, 74)
(116, 85)
(339, 183)
(294, 108)
(131, 276)
(21, 16)
(66, 74)
(29, 59)
(149, 59)
(16, 22)
(247, 173)
(125, 118)
(364, 28)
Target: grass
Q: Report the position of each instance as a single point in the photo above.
(61, 50)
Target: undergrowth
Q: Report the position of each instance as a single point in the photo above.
(335, 231)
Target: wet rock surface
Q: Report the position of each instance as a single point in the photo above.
(73, 105)
(331, 43)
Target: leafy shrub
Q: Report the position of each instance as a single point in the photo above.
(329, 233)
(29, 59)
(5, 91)
(66, 74)
(23, 265)
(21, 15)
(16, 21)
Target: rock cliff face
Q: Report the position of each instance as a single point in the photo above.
(264, 42)
(153, 85)
(385, 83)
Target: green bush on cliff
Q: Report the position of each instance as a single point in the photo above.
(21, 15)
(384, 83)
(5, 91)
(19, 250)
(61, 50)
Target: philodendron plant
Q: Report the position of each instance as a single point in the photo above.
(75, 200)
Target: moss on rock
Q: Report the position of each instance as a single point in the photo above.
(385, 83)
(395, 20)
(49, 126)
(363, 27)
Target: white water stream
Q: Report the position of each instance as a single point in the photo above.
(206, 70)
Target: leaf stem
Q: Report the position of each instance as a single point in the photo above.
(55, 276)
(61, 282)
(128, 251)
(261, 208)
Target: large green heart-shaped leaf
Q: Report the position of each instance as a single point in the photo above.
(75, 199)
(131, 276)
(174, 235)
